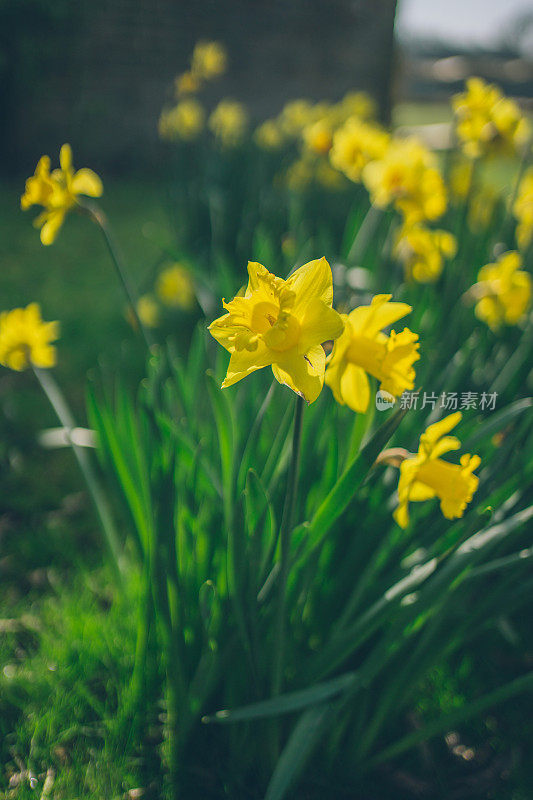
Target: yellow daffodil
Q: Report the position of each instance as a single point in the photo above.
(282, 324)
(58, 192)
(268, 136)
(358, 104)
(363, 349)
(422, 252)
(504, 291)
(186, 83)
(294, 117)
(175, 288)
(487, 122)
(318, 137)
(523, 209)
(25, 339)
(229, 122)
(209, 60)
(425, 475)
(407, 176)
(355, 144)
(148, 311)
(185, 121)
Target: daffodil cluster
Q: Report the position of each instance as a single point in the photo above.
(209, 60)
(487, 122)
(426, 475)
(503, 291)
(58, 192)
(26, 340)
(185, 121)
(312, 127)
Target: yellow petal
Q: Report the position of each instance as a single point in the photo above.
(65, 157)
(255, 272)
(243, 363)
(355, 388)
(85, 181)
(438, 429)
(420, 491)
(54, 220)
(314, 279)
(380, 314)
(320, 323)
(444, 445)
(303, 374)
(401, 515)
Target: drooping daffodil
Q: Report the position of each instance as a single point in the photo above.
(426, 475)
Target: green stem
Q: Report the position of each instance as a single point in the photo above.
(364, 235)
(65, 417)
(287, 523)
(98, 216)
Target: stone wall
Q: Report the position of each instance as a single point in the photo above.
(107, 66)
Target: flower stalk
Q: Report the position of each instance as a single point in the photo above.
(287, 524)
(65, 417)
(98, 216)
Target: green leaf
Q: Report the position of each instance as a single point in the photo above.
(345, 488)
(287, 703)
(450, 721)
(225, 429)
(296, 752)
(496, 422)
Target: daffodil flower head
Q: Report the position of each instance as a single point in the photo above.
(268, 135)
(364, 349)
(282, 324)
(318, 137)
(186, 83)
(358, 104)
(504, 290)
(423, 251)
(426, 475)
(295, 116)
(184, 121)
(58, 192)
(523, 209)
(355, 145)
(209, 60)
(25, 339)
(229, 122)
(175, 287)
(148, 311)
(408, 176)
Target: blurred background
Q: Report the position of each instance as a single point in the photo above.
(97, 72)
